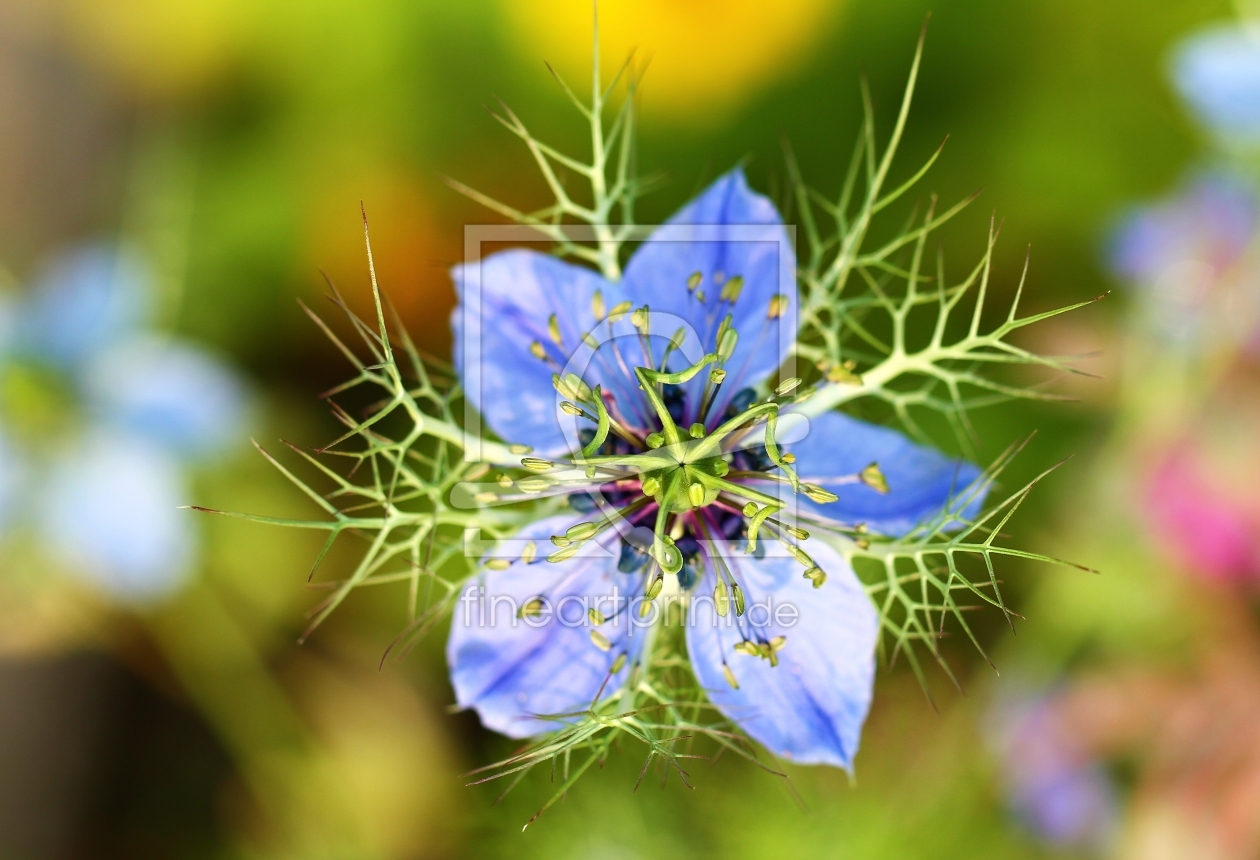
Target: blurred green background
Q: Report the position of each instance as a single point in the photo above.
(234, 142)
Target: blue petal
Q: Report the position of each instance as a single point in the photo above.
(111, 513)
(809, 708)
(1217, 71)
(750, 242)
(510, 669)
(505, 303)
(82, 303)
(174, 394)
(921, 481)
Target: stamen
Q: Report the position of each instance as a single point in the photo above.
(818, 494)
(619, 310)
(597, 306)
(520, 449)
(538, 351)
(582, 531)
(528, 553)
(535, 464)
(787, 386)
(600, 640)
(694, 281)
(874, 478)
(732, 289)
(553, 331)
(778, 305)
(721, 600)
(730, 676)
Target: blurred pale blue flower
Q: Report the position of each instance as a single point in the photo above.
(806, 702)
(1217, 72)
(1183, 254)
(106, 502)
(1056, 789)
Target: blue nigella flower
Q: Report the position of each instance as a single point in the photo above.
(1055, 788)
(1217, 72)
(1183, 254)
(677, 482)
(103, 490)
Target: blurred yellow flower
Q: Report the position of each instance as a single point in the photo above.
(707, 56)
(161, 48)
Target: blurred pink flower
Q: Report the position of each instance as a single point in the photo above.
(1211, 533)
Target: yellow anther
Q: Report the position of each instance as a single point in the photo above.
(655, 588)
(788, 458)
(582, 531)
(732, 288)
(818, 494)
(538, 351)
(619, 310)
(596, 617)
(787, 386)
(597, 306)
(726, 345)
(561, 541)
(529, 552)
(504, 480)
(571, 409)
(694, 281)
(600, 640)
(564, 554)
(721, 600)
(730, 676)
(531, 609)
(799, 534)
(520, 449)
(738, 594)
(778, 305)
(533, 485)
(618, 664)
(498, 564)
(537, 464)
(874, 478)
(485, 498)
